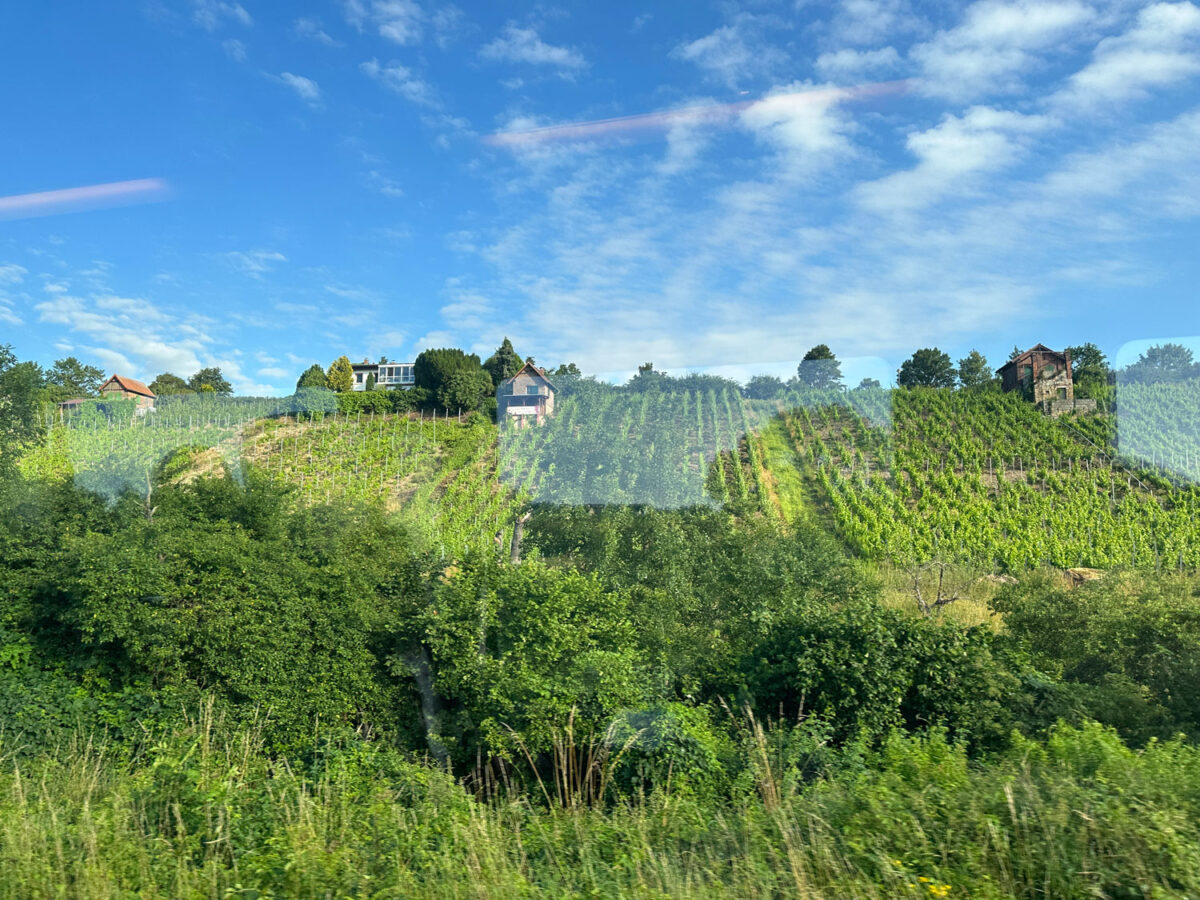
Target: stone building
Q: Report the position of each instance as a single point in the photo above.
(1044, 376)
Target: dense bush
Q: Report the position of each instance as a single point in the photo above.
(1128, 648)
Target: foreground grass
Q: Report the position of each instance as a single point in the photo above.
(194, 816)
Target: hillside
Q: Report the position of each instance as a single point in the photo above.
(904, 476)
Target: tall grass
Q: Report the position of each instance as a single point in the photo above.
(205, 814)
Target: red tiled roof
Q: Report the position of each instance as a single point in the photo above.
(132, 385)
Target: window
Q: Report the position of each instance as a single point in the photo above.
(533, 389)
(1062, 393)
(358, 377)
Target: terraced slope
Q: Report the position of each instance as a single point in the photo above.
(988, 480)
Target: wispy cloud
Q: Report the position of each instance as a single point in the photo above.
(11, 273)
(524, 45)
(401, 80)
(951, 155)
(212, 14)
(254, 263)
(1162, 48)
(996, 46)
(306, 89)
(234, 49)
(733, 54)
(311, 29)
(399, 21)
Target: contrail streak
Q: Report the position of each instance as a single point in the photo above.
(116, 193)
(689, 115)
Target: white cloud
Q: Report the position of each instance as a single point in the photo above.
(211, 14)
(11, 273)
(1161, 49)
(801, 120)
(732, 54)
(996, 45)
(400, 79)
(273, 372)
(523, 45)
(127, 329)
(951, 155)
(383, 184)
(312, 30)
(853, 65)
(254, 263)
(234, 49)
(399, 21)
(306, 89)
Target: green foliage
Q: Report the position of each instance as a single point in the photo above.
(974, 373)
(452, 379)
(1162, 363)
(166, 385)
(340, 376)
(764, 387)
(313, 377)
(20, 387)
(223, 590)
(866, 670)
(1130, 649)
(986, 479)
(464, 390)
(503, 364)
(69, 378)
(210, 379)
(928, 367)
(520, 654)
(671, 748)
(357, 402)
(819, 369)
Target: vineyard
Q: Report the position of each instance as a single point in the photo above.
(439, 475)
(904, 476)
(986, 479)
(666, 449)
(1159, 426)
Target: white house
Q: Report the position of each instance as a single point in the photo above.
(388, 375)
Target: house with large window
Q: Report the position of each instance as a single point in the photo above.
(527, 398)
(388, 375)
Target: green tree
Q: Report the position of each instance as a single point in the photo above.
(167, 384)
(464, 390)
(1089, 370)
(433, 371)
(313, 377)
(764, 387)
(928, 367)
(212, 378)
(868, 384)
(819, 369)
(21, 384)
(1163, 363)
(340, 376)
(974, 373)
(69, 378)
(370, 385)
(565, 369)
(1014, 353)
(503, 364)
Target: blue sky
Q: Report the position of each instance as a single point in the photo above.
(695, 184)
